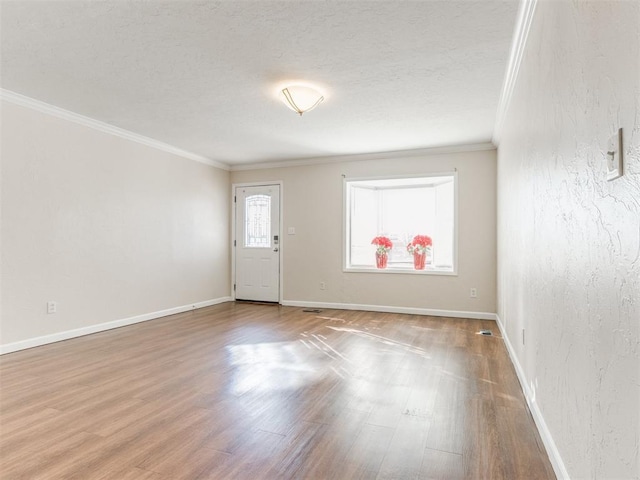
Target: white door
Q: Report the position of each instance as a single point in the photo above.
(257, 243)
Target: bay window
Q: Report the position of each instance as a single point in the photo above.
(400, 209)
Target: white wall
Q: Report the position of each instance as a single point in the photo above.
(313, 204)
(107, 227)
(568, 240)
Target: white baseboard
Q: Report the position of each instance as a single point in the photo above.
(549, 444)
(100, 327)
(389, 309)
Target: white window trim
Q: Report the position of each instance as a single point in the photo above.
(395, 270)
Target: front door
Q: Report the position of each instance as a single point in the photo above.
(257, 243)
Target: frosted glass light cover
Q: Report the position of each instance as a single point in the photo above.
(301, 99)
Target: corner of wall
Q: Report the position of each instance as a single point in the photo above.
(550, 445)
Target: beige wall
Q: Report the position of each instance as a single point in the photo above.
(108, 228)
(569, 243)
(313, 204)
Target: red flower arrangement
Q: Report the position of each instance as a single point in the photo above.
(383, 245)
(420, 244)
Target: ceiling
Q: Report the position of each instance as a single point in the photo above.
(203, 75)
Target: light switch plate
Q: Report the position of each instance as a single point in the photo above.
(614, 156)
(291, 230)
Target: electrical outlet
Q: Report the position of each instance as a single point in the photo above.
(473, 293)
(52, 307)
(323, 286)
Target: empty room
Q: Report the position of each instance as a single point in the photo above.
(319, 239)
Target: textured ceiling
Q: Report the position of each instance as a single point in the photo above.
(202, 75)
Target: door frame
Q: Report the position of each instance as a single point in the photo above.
(280, 184)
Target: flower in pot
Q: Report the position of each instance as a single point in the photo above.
(383, 245)
(419, 246)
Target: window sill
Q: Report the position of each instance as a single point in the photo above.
(401, 270)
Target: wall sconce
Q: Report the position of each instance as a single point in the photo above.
(301, 98)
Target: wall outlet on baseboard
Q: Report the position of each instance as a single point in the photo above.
(323, 286)
(473, 293)
(52, 307)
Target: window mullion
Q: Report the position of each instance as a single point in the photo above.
(379, 211)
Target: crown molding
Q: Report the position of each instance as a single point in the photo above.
(474, 147)
(520, 36)
(49, 109)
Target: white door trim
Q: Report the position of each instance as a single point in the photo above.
(233, 233)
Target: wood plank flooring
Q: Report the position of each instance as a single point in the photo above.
(241, 391)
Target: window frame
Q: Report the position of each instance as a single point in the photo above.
(246, 228)
(346, 233)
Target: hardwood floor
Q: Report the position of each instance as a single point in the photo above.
(245, 391)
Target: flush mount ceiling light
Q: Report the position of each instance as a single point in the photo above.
(301, 98)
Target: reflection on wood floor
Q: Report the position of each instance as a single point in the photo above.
(245, 391)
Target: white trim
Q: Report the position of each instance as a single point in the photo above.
(549, 444)
(55, 111)
(49, 109)
(520, 35)
(280, 184)
(100, 327)
(391, 309)
(474, 147)
(402, 271)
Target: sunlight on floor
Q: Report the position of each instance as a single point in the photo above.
(276, 366)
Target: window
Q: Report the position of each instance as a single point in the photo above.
(401, 208)
(257, 232)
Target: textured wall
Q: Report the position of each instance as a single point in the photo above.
(106, 227)
(568, 240)
(313, 204)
